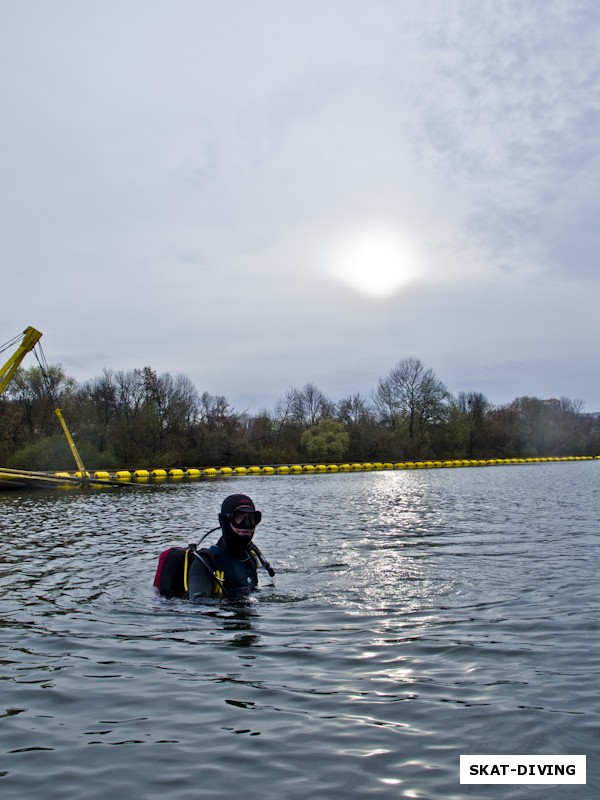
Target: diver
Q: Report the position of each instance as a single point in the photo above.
(229, 568)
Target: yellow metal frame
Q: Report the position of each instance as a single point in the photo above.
(30, 338)
(74, 451)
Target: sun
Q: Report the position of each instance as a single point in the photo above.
(376, 261)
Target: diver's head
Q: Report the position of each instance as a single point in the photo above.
(238, 520)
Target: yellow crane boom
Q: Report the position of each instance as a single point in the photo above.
(71, 443)
(30, 338)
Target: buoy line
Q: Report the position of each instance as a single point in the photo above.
(161, 474)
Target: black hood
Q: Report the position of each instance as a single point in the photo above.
(235, 544)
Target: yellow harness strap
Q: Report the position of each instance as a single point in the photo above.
(218, 584)
(219, 576)
(185, 570)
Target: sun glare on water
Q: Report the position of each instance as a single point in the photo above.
(377, 262)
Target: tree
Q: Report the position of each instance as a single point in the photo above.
(172, 406)
(473, 408)
(36, 396)
(354, 410)
(326, 441)
(142, 418)
(368, 440)
(304, 407)
(550, 427)
(215, 410)
(295, 412)
(412, 396)
(315, 405)
(99, 397)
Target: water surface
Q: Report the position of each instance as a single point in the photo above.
(414, 617)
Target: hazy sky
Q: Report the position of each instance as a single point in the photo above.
(262, 193)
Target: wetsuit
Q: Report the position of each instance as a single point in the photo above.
(220, 571)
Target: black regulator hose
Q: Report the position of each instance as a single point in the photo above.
(255, 549)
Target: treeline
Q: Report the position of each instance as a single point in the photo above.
(139, 418)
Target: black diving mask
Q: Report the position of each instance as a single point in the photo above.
(244, 519)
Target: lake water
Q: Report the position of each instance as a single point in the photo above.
(414, 617)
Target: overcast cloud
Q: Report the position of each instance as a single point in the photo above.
(177, 177)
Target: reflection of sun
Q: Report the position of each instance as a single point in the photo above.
(376, 261)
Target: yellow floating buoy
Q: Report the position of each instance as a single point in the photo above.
(284, 469)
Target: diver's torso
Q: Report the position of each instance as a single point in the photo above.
(238, 575)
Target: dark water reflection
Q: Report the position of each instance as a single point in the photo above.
(414, 617)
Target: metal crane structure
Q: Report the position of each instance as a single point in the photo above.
(30, 338)
(11, 477)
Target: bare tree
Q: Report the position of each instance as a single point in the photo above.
(354, 409)
(474, 408)
(303, 407)
(317, 405)
(412, 394)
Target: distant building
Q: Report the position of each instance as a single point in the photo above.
(553, 402)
